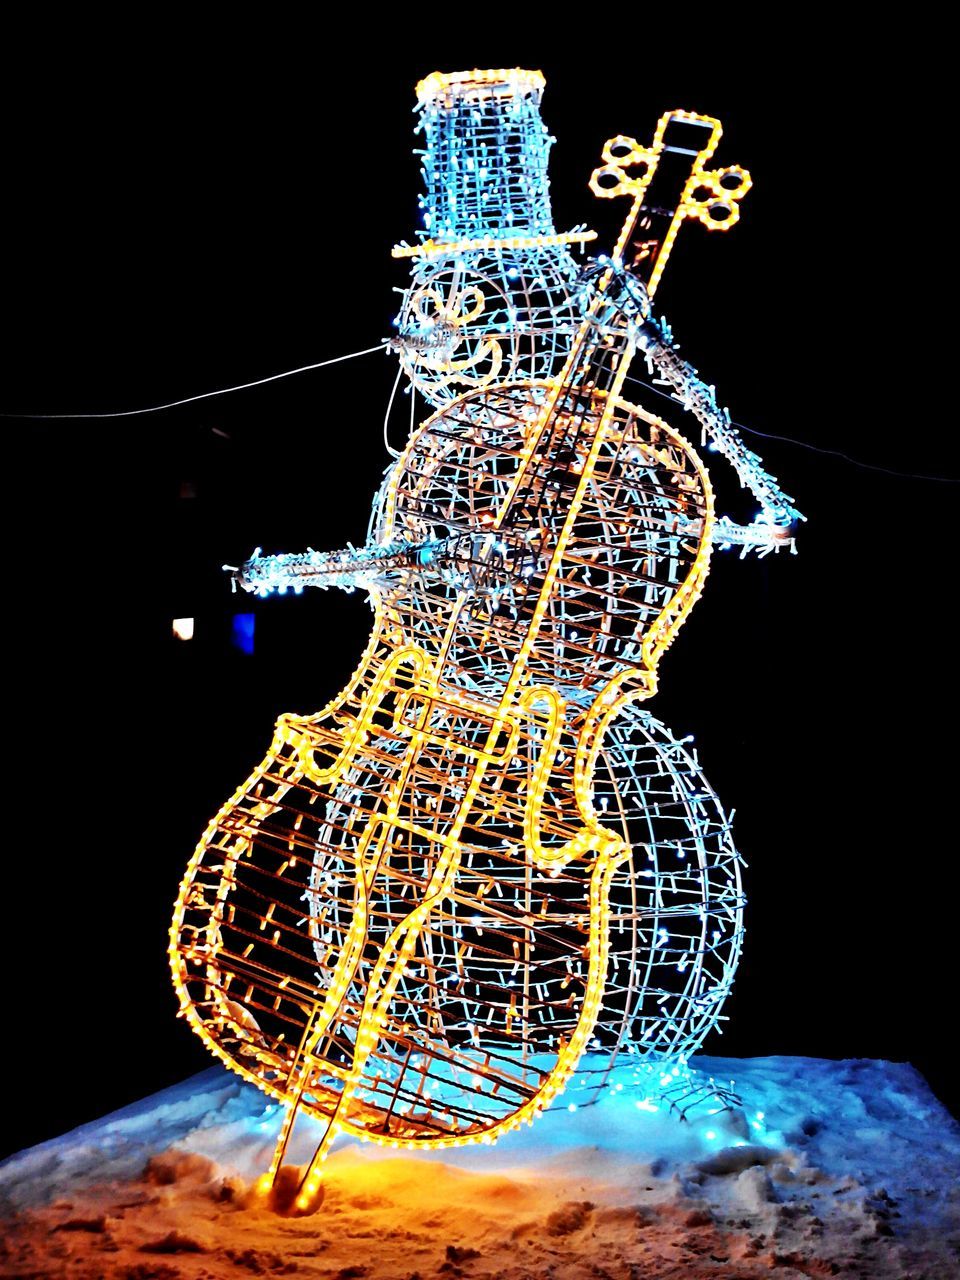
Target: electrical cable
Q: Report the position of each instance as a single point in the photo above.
(206, 395)
(804, 444)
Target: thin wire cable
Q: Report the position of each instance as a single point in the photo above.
(386, 417)
(804, 444)
(382, 346)
(206, 395)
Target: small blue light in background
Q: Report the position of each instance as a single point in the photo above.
(241, 633)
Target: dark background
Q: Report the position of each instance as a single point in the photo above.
(190, 214)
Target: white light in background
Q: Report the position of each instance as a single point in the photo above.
(183, 628)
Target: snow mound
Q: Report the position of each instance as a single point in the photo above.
(828, 1168)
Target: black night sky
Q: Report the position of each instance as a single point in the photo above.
(229, 214)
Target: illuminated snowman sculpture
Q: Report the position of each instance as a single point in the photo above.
(485, 856)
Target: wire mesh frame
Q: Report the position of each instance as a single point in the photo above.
(675, 931)
(491, 297)
(484, 163)
(438, 794)
(493, 990)
(476, 317)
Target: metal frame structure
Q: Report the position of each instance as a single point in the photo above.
(492, 290)
(485, 856)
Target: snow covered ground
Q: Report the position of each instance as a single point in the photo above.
(830, 1168)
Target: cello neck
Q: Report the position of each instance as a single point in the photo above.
(668, 182)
